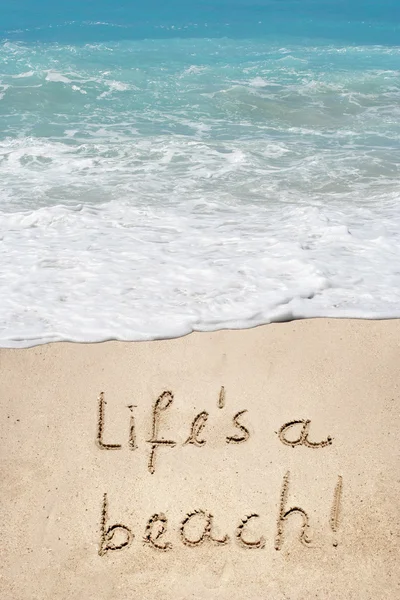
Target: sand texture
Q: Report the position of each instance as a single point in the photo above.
(257, 464)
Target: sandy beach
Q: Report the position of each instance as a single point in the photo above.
(261, 463)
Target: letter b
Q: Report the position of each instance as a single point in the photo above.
(108, 534)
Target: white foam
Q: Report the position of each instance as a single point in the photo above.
(266, 191)
(258, 82)
(114, 86)
(23, 75)
(194, 69)
(191, 238)
(118, 86)
(57, 77)
(3, 89)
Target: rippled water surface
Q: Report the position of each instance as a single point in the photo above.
(158, 178)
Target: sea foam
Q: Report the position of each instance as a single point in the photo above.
(195, 184)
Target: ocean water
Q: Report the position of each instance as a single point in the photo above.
(176, 168)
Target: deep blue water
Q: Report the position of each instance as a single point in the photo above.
(353, 21)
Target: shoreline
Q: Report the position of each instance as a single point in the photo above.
(38, 343)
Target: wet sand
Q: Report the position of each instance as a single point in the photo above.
(251, 464)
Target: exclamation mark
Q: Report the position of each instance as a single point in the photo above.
(335, 513)
(221, 399)
(132, 429)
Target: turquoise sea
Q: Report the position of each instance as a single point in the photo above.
(196, 165)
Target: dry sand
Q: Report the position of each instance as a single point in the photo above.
(69, 501)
